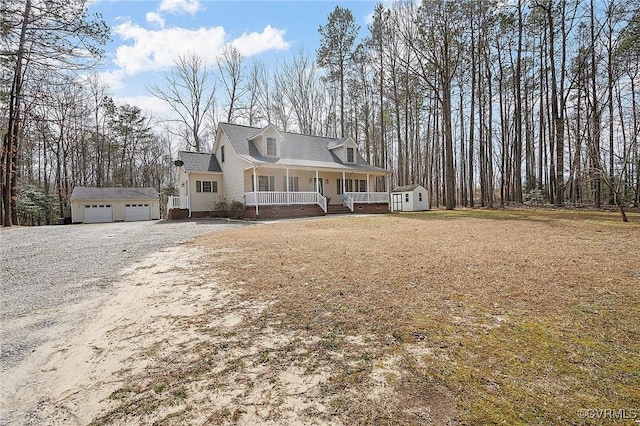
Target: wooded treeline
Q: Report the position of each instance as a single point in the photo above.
(484, 103)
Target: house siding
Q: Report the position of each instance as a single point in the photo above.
(233, 170)
(204, 201)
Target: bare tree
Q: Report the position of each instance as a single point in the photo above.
(54, 37)
(231, 69)
(189, 90)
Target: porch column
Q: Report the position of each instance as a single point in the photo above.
(343, 183)
(188, 196)
(255, 188)
(368, 190)
(317, 188)
(387, 184)
(287, 188)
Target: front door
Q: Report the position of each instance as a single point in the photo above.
(317, 183)
(397, 202)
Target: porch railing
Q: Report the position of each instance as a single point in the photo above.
(177, 203)
(368, 197)
(348, 200)
(275, 198)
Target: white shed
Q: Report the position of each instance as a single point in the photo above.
(95, 205)
(409, 198)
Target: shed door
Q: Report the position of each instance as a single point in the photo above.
(98, 213)
(397, 202)
(134, 212)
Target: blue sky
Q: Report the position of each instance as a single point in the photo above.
(147, 36)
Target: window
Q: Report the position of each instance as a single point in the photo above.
(361, 185)
(420, 196)
(206, 186)
(222, 153)
(406, 197)
(272, 148)
(293, 183)
(348, 185)
(350, 156)
(266, 183)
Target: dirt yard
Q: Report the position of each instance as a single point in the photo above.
(467, 317)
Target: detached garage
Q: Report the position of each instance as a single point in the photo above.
(410, 198)
(97, 205)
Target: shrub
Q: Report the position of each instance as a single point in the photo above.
(236, 209)
(536, 196)
(221, 207)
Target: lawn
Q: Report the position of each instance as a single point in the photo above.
(468, 317)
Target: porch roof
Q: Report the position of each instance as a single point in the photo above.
(296, 150)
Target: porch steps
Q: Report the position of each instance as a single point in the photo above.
(338, 209)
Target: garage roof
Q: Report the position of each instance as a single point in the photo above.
(90, 193)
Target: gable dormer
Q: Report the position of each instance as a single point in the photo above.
(346, 150)
(268, 141)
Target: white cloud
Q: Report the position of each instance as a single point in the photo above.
(158, 49)
(154, 50)
(112, 79)
(269, 39)
(180, 6)
(154, 17)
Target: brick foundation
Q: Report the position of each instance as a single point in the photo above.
(371, 208)
(177, 214)
(280, 212)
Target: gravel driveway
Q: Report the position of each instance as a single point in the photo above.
(49, 274)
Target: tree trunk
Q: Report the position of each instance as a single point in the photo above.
(11, 141)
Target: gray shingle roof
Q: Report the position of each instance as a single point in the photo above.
(91, 193)
(199, 162)
(406, 188)
(295, 150)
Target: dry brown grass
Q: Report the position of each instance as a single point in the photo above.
(470, 317)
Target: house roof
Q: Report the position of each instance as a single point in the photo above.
(296, 150)
(92, 193)
(406, 188)
(199, 162)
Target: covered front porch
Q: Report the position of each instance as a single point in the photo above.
(267, 186)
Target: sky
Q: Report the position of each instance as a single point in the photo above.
(148, 35)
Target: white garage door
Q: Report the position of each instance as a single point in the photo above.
(133, 212)
(97, 213)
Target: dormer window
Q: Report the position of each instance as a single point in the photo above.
(350, 156)
(272, 147)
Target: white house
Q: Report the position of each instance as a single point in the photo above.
(278, 174)
(409, 198)
(95, 205)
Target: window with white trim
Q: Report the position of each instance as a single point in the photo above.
(350, 155)
(293, 183)
(266, 183)
(420, 196)
(272, 147)
(348, 185)
(406, 197)
(361, 185)
(206, 186)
